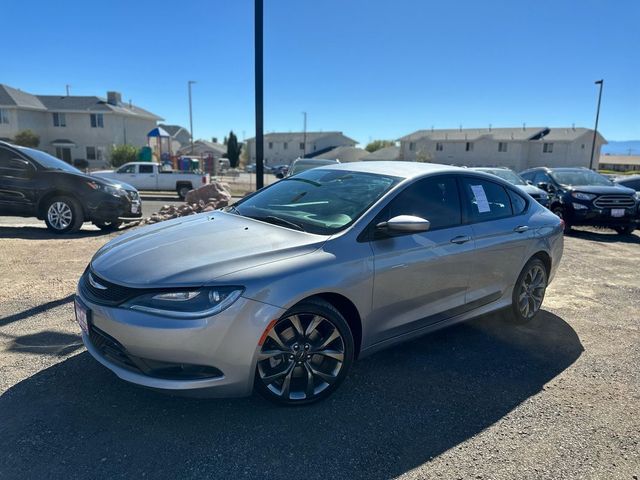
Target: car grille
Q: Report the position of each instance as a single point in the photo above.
(614, 201)
(111, 294)
(115, 352)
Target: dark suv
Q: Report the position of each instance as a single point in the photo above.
(583, 197)
(35, 184)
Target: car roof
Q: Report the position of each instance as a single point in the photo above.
(396, 169)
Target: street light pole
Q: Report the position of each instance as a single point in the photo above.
(258, 28)
(304, 139)
(189, 83)
(595, 130)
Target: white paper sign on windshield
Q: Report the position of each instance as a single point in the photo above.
(481, 198)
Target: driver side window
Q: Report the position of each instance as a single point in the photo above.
(434, 199)
(127, 169)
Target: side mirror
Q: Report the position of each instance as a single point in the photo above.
(547, 187)
(405, 224)
(25, 168)
(529, 182)
(279, 175)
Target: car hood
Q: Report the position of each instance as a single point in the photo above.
(195, 250)
(532, 190)
(601, 189)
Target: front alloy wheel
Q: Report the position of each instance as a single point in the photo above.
(305, 355)
(63, 215)
(529, 291)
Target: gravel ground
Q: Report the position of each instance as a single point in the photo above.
(555, 399)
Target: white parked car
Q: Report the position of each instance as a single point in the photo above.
(151, 176)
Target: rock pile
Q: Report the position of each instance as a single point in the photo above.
(204, 199)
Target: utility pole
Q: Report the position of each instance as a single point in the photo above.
(189, 83)
(67, 88)
(304, 139)
(595, 130)
(259, 87)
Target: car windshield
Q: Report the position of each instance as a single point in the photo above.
(47, 161)
(320, 201)
(579, 177)
(505, 174)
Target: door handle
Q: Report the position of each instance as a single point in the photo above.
(460, 239)
(521, 228)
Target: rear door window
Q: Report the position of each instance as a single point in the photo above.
(485, 200)
(518, 203)
(146, 168)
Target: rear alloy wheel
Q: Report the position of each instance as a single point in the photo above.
(63, 215)
(625, 230)
(183, 190)
(305, 355)
(559, 211)
(529, 291)
(108, 226)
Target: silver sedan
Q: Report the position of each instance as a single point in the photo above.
(284, 290)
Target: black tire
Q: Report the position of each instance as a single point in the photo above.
(559, 211)
(625, 230)
(182, 190)
(108, 226)
(63, 214)
(515, 313)
(318, 374)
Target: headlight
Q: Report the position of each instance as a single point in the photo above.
(583, 196)
(187, 304)
(637, 196)
(579, 206)
(116, 192)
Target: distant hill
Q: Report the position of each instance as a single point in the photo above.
(622, 147)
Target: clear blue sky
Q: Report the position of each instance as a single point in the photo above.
(370, 68)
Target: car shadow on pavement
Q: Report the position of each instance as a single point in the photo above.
(35, 310)
(42, 233)
(605, 236)
(46, 343)
(397, 410)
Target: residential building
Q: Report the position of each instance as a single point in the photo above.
(203, 148)
(344, 154)
(180, 136)
(75, 127)
(283, 148)
(620, 163)
(517, 148)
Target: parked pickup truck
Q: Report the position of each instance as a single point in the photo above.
(151, 176)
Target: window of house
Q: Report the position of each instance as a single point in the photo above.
(468, 147)
(434, 199)
(582, 146)
(99, 153)
(4, 116)
(91, 153)
(145, 169)
(59, 119)
(502, 147)
(547, 148)
(97, 120)
(411, 146)
(485, 200)
(286, 145)
(64, 153)
(270, 145)
(439, 147)
(301, 145)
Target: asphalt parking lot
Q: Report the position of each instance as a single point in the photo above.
(558, 398)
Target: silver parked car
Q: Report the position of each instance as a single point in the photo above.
(284, 290)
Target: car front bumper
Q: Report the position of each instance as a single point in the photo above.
(226, 343)
(107, 208)
(603, 218)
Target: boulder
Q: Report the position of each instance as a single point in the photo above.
(214, 192)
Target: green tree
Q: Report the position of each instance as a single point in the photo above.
(234, 149)
(27, 138)
(122, 154)
(378, 144)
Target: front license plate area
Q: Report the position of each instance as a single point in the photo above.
(135, 208)
(82, 315)
(617, 212)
